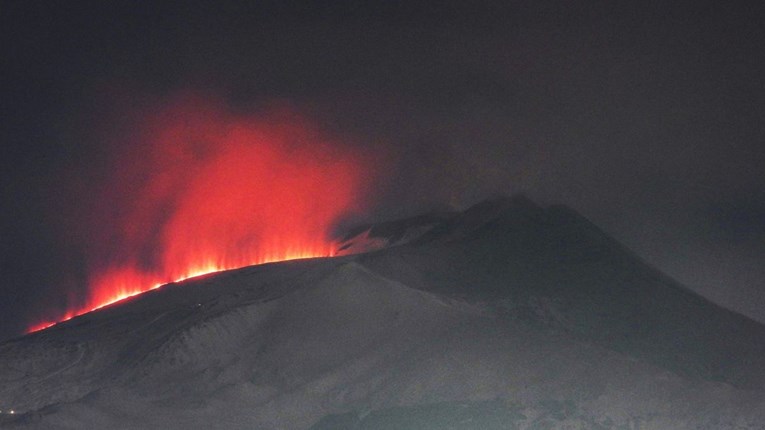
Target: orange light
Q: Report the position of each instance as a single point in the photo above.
(122, 295)
(199, 190)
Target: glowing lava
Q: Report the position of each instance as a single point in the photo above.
(200, 190)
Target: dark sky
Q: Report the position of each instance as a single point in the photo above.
(647, 117)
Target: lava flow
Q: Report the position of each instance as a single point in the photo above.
(200, 190)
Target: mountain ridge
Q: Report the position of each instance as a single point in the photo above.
(550, 251)
(529, 316)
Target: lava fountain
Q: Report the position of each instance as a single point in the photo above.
(198, 190)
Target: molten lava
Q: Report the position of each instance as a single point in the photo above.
(199, 190)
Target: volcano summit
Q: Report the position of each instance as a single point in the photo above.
(505, 316)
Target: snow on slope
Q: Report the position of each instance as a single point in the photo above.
(529, 308)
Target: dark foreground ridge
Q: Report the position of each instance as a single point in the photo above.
(507, 315)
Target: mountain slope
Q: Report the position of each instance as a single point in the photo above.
(553, 266)
(508, 315)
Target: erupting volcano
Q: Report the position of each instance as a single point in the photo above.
(198, 190)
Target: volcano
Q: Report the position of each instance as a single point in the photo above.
(508, 315)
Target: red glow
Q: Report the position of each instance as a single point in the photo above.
(200, 190)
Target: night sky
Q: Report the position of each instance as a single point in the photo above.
(646, 117)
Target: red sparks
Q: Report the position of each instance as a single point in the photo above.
(200, 190)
